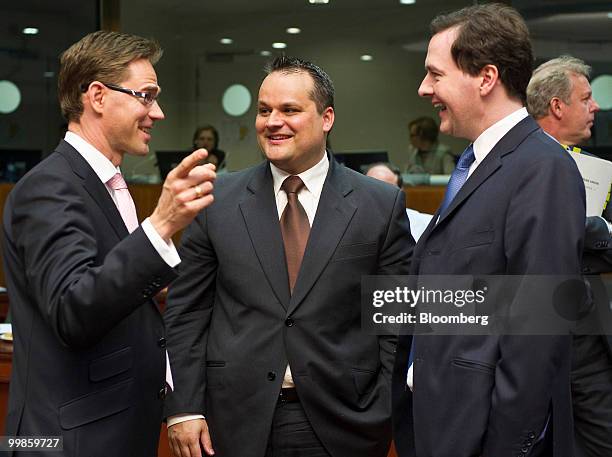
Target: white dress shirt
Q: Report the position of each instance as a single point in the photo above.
(485, 142)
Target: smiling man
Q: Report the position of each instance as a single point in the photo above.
(514, 206)
(264, 328)
(89, 361)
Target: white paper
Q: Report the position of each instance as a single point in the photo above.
(597, 176)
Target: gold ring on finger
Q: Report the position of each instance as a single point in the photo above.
(198, 191)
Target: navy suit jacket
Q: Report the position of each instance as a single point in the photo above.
(521, 212)
(88, 363)
(233, 325)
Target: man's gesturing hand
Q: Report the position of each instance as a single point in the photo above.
(186, 191)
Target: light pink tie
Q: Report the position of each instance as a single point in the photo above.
(125, 204)
(126, 207)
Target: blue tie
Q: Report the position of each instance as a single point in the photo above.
(458, 178)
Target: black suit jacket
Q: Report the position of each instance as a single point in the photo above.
(521, 212)
(233, 325)
(87, 362)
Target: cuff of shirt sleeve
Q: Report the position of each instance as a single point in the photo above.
(167, 251)
(173, 420)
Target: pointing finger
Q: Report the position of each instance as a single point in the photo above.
(188, 163)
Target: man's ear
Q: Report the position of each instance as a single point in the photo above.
(328, 119)
(489, 76)
(556, 107)
(95, 96)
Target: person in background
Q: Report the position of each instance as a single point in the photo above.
(89, 360)
(514, 205)
(207, 137)
(559, 97)
(391, 174)
(425, 154)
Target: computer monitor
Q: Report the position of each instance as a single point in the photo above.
(14, 163)
(167, 160)
(360, 160)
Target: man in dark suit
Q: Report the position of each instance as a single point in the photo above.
(559, 97)
(89, 351)
(265, 343)
(514, 206)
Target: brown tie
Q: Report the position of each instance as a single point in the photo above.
(294, 227)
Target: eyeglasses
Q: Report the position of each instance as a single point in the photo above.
(147, 97)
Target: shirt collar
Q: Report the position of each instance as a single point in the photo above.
(313, 178)
(491, 136)
(100, 164)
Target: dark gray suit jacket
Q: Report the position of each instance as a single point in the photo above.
(521, 212)
(88, 364)
(233, 325)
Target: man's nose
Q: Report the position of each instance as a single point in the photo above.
(425, 89)
(156, 112)
(275, 119)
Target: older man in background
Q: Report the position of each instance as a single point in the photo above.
(559, 96)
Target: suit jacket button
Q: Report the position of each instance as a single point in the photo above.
(271, 376)
(531, 435)
(525, 450)
(162, 393)
(162, 342)
(289, 322)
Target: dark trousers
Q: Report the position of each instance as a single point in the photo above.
(292, 435)
(592, 397)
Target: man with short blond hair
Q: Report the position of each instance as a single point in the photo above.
(560, 98)
(90, 364)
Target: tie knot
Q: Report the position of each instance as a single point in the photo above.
(467, 157)
(292, 185)
(117, 182)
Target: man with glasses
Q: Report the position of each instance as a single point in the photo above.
(90, 364)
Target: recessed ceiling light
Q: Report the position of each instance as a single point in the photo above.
(48, 74)
(265, 53)
(366, 57)
(226, 41)
(318, 2)
(407, 2)
(30, 31)
(279, 45)
(293, 30)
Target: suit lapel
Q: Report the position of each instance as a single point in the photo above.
(491, 163)
(94, 187)
(261, 218)
(334, 213)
